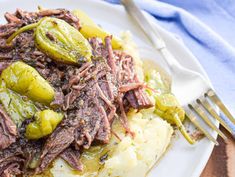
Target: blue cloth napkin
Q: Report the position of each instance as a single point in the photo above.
(207, 28)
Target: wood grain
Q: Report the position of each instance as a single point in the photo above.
(222, 160)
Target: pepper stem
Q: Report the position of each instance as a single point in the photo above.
(21, 30)
(182, 129)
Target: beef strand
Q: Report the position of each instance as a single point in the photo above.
(56, 143)
(71, 156)
(8, 130)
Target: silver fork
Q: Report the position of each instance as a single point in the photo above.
(192, 84)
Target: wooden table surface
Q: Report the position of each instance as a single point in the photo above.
(222, 160)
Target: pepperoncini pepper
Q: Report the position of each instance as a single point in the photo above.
(59, 40)
(18, 108)
(91, 29)
(166, 104)
(167, 101)
(44, 124)
(169, 109)
(25, 80)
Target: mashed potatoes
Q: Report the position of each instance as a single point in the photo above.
(134, 157)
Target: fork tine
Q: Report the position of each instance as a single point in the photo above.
(193, 119)
(213, 113)
(197, 108)
(213, 97)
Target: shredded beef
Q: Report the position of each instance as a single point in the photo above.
(8, 160)
(71, 156)
(86, 115)
(91, 96)
(19, 155)
(60, 139)
(8, 130)
(129, 83)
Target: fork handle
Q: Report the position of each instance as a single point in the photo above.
(155, 38)
(151, 33)
(170, 59)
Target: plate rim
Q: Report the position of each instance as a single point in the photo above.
(204, 158)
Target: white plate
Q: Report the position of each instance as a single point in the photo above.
(182, 159)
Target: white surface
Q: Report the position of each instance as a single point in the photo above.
(182, 160)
